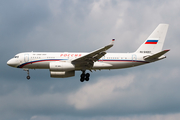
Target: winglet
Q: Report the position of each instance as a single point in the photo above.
(113, 41)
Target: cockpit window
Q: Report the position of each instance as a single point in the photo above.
(16, 57)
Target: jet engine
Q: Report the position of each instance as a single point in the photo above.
(61, 69)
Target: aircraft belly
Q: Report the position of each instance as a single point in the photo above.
(124, 64)
(101, 65)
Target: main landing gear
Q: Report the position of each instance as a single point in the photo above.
(28, 77)
(84, 76)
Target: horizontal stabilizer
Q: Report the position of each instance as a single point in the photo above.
(156, 56)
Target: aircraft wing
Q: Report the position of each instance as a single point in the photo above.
(156, 56)
(87, 61)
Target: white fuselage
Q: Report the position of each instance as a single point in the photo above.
(41, 60)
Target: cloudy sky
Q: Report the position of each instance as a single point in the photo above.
(145, 92)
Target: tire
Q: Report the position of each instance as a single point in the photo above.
(28, 77)
(83, 75)
(82, 80)
(87, 75)
(87, 79)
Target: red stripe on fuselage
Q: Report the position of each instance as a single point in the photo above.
(21, 66)
(151, 43)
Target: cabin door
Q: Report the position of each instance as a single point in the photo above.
(134, 57)
(26, 57)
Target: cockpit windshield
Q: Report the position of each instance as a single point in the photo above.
(16, 57)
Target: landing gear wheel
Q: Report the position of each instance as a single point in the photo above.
(84, 76)
(82, 80)
(87, 79)
(28, 77)
(87, 76)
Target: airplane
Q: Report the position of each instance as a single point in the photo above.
(64, 64)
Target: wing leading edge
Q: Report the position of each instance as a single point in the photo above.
(87, 61)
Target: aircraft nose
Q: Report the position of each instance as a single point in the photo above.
(11, 63)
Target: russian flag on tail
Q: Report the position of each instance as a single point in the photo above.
(151, 42)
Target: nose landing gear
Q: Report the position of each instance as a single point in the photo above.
(84, 76)
(28, 77)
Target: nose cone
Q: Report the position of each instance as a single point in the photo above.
(12, 63)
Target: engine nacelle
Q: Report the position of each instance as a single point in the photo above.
(61, 66)
(62, 74)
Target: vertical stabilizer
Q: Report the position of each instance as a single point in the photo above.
(155, 41)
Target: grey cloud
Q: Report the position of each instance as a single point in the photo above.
(141, 96)
(18, 19)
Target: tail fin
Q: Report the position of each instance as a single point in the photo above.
(155, 41)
